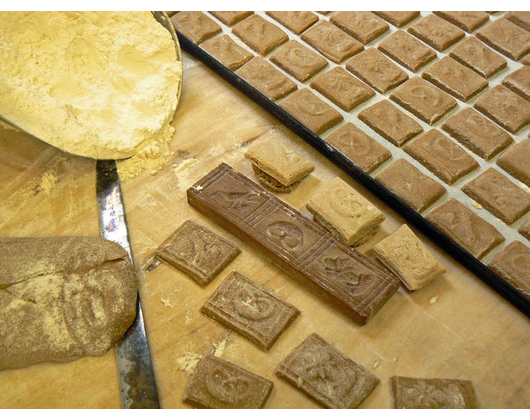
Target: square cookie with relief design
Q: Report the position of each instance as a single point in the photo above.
(519, 82)
(407, 50)
(250, 310)
(298, 61)
(408, 258)
(296, 22)
(516, 161)
(198, 252)
(231, 18)
(276, 166)
(398, 19)
(436, 32)
(416, 393)
(345, 213)
(363, 26)
(259, 34)
(217, 383)
(475, 55)
(225, 50)
(467, 20)
(195, 26)
(513, 265)
(327, 375)
(506, 37)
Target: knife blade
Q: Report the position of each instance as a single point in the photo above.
(137, 376)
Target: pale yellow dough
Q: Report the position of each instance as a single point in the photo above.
(97, 84)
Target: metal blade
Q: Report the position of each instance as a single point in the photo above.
(137, 377)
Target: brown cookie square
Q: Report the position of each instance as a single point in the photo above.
(390, 122)
(341, 88)
(436, 32)
(500, 196)
(516, 161)
(407, 50)
(513, 265)
(198, 252)
(296, 22)
(231, 18)
(455, 78)
(225, 50)
(506, 37)
(359, 147)
(477, 133)
(505, 107)
(520, 18)
(298, 60)
(195, 26)
(374, 68)
(398, 19)
(410, 184)
(465, 227)
(416, 393)
(424, 100)
(475, 55)
(326, 374)
(259, 34)
(266, 78)
(331, 42)
(525, 230)
(441, 156)
(217, 383)
(468, 21)
(519, 82)
(363, 26)
(250, 310)
(314, 113)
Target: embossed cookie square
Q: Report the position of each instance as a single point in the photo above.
(436, 32)
(359, 147)
(374, 68)
(516, 161)
(363, 26)
(417, 393)
(231, 18)
(465, 227)
(477, 133)
(195, 26)
(298, 61)
(227, 52)
(519, 82)
(250, 310)
(513, 265)
(525, 230)
(217, 383)
(475, 55)
(314, 113)
(331, 42)
(266, 78)
(505, 107)
(467, 20)
(407, 50)
(408, 258)
(259, 34)
(390, 122)
(424, 100)
(441, 156)
(278, 161)
(345, 213)
(398, 19)
(520, 18)
(410, 184)
(455, 78)
(296, 22)
(506, 37)
(341, 88)
(327, 375)
(500, 196)
(198, 252)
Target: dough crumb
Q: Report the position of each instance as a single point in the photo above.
(433, 300)
(221, 346)
(48, 182)
(376, 363)
(188, 362)
(167, 303)
(476, 205)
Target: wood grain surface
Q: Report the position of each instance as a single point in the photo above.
(456, 327)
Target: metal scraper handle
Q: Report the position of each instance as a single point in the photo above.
(137, 376)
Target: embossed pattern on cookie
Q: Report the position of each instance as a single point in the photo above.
(217, 383)
(326, 374)
(259, 34)
(199, 252)
(475, 55)
(463, 226)
(296, 22)
(506, 37)
(231, 18)
(513, 265)
(415, 393)
(516, 160)
(363, 26)
(436, 32)
(250, 310)
(195, 26)
(398, 19)
(467, 20)
(519, 82)
(227, 52)
(298, 61)
(407, 50)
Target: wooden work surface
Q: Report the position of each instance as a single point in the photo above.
(456, 327)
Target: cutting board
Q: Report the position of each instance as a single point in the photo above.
(456, 327)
